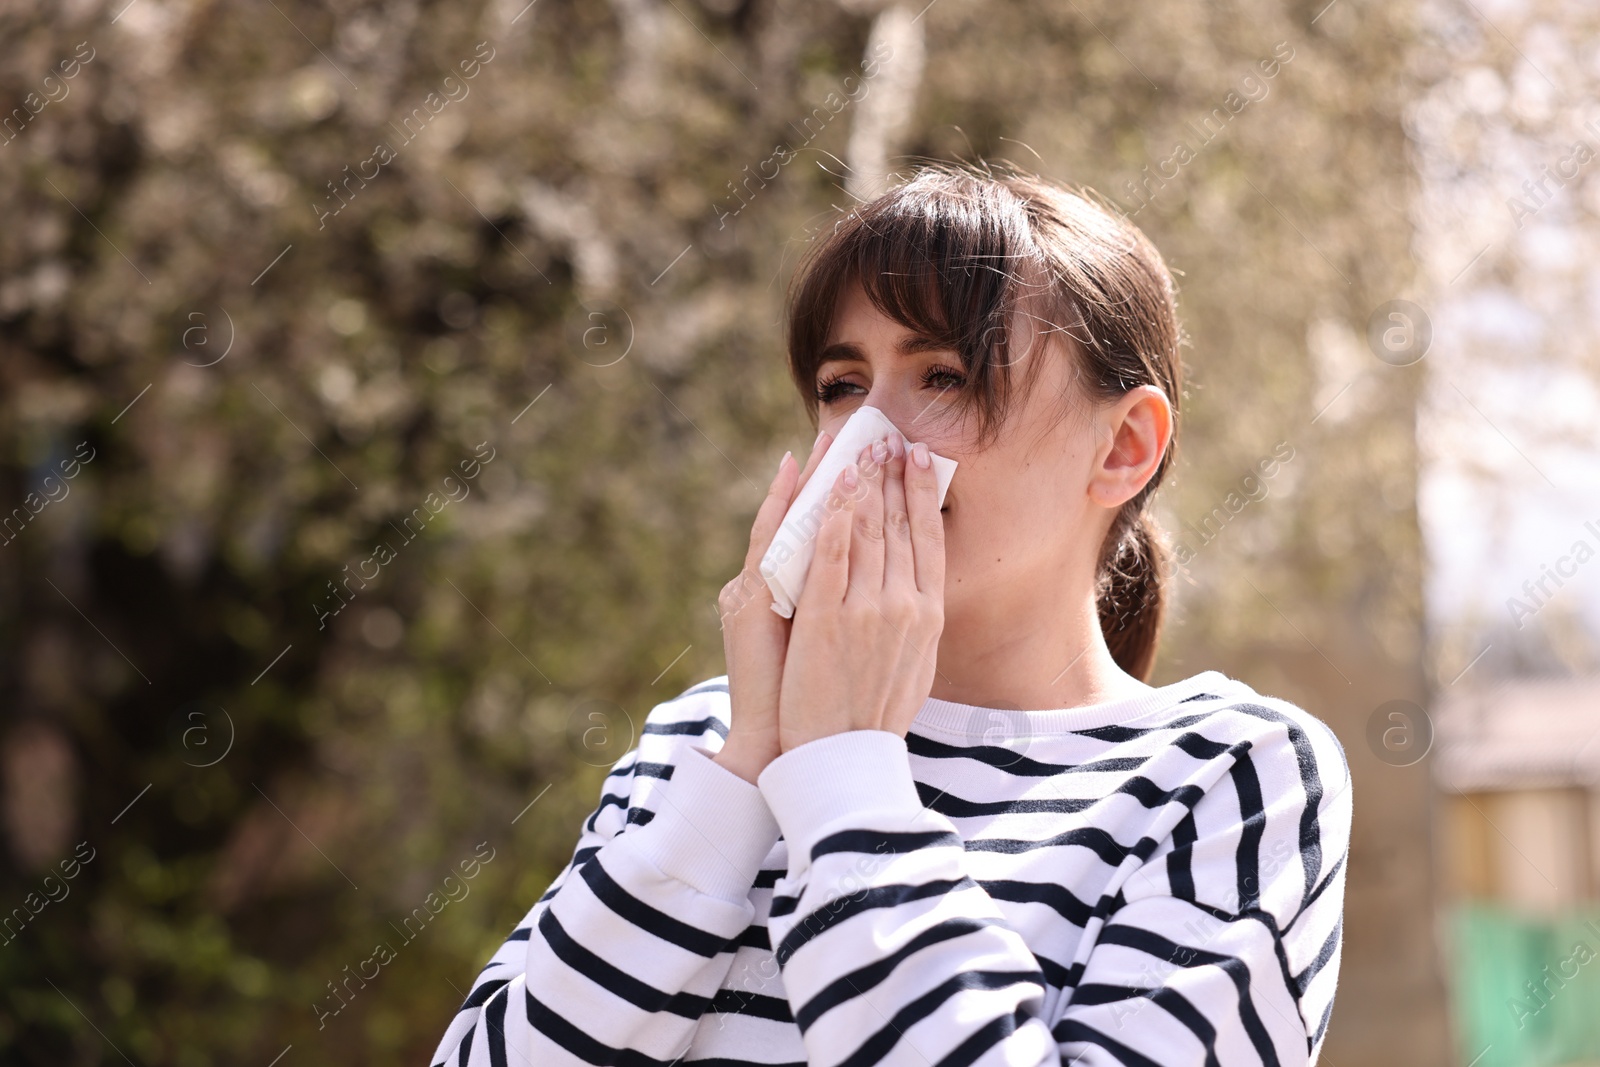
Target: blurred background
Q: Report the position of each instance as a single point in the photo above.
(387, 389)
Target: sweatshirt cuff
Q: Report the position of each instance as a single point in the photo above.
(712, 830)
(838, 780)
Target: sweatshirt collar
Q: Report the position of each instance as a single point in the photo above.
(977, 724)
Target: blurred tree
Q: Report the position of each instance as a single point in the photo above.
(284, 271)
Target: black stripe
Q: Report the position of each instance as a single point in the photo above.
(1119, 734)
(1324, 954)
(1247, 860)
(654, 770)
(1180, 869)
(1100, 842)
(1139, 787)
(1153, 796)
(607, 800)
(1180, 876)
(579, 1044)
(520, 935)
(766, 879)
(1051, 894)
(999, 756)
(882, 841)
(1203, 748)
(494, 1028)
(782, 905)
(689, 726)
(1056, 897)
(606, 976)
(1153, 944)
(1056, 974)
(948, 804)
(756, 1005)
(1322, 1027)
(620, 769)
(1268, 920)
(1310, 780)
(646, 918)
(754, 936)
(839, 909)
(1317, 892)
(635, 814)
(989, 1035)
(465, 1048)
(1008, 760)
(1175, 1003)
(488, 989)
(579, 858)
(878, 1045)
(858, 981)
(1073, 1030)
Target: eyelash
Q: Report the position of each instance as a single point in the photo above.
(826, 389)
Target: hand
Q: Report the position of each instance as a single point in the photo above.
(754, 637)
(865, 635)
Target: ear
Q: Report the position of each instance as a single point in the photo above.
(1134, 433)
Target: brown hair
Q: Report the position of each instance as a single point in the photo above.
(961, 254)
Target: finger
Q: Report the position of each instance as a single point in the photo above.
(780, 495)
(866, 542)
(770, 515)
(927, 525)
(898, 565)
(829, 576)
(818, 450)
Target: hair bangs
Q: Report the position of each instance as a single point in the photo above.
(946, 256)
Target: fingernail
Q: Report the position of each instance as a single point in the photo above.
(880, 451)
(784, 460)
(820, 435)
(919, 455)
(850, 479)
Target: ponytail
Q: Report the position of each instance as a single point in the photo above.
(1130, 592)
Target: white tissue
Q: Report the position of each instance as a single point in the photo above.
(788, 558)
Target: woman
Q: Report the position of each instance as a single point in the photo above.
(938, 816)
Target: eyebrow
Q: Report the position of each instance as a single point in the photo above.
(908, 345)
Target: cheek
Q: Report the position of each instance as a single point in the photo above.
(999, 524)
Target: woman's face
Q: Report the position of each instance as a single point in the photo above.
(1025, 517)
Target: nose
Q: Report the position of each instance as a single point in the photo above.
(900, 408)
(917, 419)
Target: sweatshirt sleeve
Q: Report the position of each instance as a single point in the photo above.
(1225, 951)
(890, 953)
(619, 959)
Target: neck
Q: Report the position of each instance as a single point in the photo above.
(1029, 657)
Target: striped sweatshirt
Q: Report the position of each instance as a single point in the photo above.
(1156, 880)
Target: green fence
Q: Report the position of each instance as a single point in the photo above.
(1526, 988)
